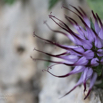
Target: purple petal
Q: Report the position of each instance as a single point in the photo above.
(87, 21)
(94, 62)
(101, 33)
(86, 44)
(78, 83)
(72, 58)
(83, 14)
(72, 38)
(100, 52)
(76, 50)
(82, 61)
(90, 34)
(98, 43)
(99, 20)
(90, 72)
(85, 77)
(77, 69)
(97, 28)
(89, 54)
(57, 31)
(76, 26)
(102, 60)
(61, 24)
(93, 79)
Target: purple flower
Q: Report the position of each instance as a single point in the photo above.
(87, 55)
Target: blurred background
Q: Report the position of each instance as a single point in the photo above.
(21, 78)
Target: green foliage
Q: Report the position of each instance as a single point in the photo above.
(100, 85)
(52, 3)
(9, 1)
(96, 6)
(92, 24)
(98, 70)
(47, 63)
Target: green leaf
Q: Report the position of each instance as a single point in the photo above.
(100, 85)
(98, 70)
(9, 1)
(47, 63)
(92, 24)
(96, 6)
(52, 3)
(78, 77)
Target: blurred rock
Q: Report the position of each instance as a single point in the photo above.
(17, 69)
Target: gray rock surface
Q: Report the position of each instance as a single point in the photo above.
(16, 45)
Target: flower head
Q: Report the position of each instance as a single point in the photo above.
(87, 55)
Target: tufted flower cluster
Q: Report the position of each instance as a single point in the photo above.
(87, 55)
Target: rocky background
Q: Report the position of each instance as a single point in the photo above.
(21, 78)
